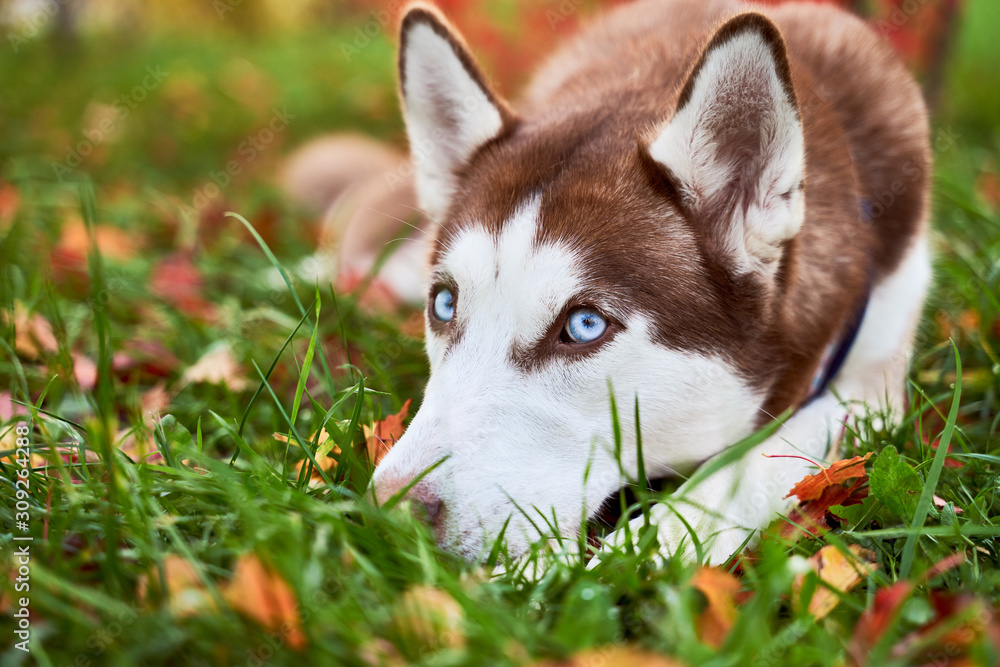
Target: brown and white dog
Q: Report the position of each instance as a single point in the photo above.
(683, 209)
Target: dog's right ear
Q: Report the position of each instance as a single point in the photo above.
(449, 109)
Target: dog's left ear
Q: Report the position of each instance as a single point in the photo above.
(734, 149)
(450, 110)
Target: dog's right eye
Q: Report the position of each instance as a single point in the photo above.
(444, 305)
(585, 325)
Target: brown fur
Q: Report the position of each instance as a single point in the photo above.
(575, 142)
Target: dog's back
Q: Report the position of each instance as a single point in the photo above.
(634, 60)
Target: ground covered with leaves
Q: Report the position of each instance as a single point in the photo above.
(186, 424)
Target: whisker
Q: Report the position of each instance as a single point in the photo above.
(423, 213)
(408, 224)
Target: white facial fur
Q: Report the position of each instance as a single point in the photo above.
(738, 85)
(525, 438)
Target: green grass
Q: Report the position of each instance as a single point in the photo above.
(215, 486)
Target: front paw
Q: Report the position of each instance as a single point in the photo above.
(680, 531)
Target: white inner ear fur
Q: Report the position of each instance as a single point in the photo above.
(738, 88)
(448, 115)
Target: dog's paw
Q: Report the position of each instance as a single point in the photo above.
(700, 532)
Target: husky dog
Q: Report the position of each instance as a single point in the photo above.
(687, 211)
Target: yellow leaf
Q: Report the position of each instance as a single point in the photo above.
(839, 571)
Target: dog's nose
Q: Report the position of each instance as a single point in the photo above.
(423, 492)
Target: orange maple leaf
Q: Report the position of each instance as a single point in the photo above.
(822, 491)
(263, 595)
(380, 438)
(812, 486)
(720, 588)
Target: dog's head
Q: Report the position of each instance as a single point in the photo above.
(610, 246)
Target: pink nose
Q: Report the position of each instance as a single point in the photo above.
(423, 492)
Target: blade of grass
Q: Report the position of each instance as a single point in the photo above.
(934, 474)
(288, 283)
(293, 430)
(306, 363)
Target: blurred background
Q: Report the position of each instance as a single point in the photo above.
(71, 67)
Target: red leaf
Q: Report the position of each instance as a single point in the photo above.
(384, 434)
(177, 280)
(876, 620)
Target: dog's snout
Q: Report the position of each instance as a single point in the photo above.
(425, 493)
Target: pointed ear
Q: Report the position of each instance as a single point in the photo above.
(449, 109)
(734, 149)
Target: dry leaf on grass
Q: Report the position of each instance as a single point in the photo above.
(384, 434)
(34, 335)
(217, 366)
(112, 242)
(614, 656)
(429, 618)
(720, 588)
(10, 201)
(177, 280)
(888, 603)
(812, 486)
(180, 583)
(824, 490)
(262, 595)
(838, 570)
(85, 371)
(326, 454)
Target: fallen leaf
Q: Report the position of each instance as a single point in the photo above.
(935, 643)
(8, 408)
(85, 371)
(217, 366)
(263, 595)
(614, 656)
(429, 619)
(941, 502)
(326, 452)
(180, 584)
(876, 620)
(949, 461)
(812, 486)
(720, 588)
(10, 201)
(146, 357)
(154, 401)
(384, 434)
(33, 333)
(812, 515)
(112, 242)
(177, 280)
(841, 572)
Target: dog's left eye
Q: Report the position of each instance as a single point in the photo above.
(444, 305)
(585, 325)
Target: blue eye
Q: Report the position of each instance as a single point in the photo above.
(585, 325)
(444, 305)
